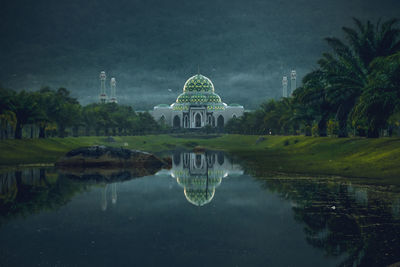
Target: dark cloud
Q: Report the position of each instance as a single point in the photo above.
(152, 46)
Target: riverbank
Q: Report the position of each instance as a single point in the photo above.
(351, 157)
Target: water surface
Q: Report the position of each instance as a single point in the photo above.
(206, 211)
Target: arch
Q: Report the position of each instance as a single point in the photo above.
(220, 158)
(176, 158)
(186, 121)
(177, 122)
(197, 120)
(210, 160)
(220, 121)
(186, 160)
(234, 116)
(198, 163)
(162, 119)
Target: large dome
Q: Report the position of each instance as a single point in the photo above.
(198, 83)
(198, 90)
(198, 98)
(199, 197)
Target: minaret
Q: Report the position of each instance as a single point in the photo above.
(113, 84)
(284, 86)
(103, 96)
(292, 81)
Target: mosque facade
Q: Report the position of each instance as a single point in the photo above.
(197, 107)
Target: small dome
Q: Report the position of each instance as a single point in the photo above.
(198, 83)
(162, 106)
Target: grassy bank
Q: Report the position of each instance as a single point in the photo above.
(354, 157)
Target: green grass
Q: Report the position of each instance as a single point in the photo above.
(352, 157)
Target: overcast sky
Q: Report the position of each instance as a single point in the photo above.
(151, 46)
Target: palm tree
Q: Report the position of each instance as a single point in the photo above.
(312, 95)
(381, 97)
(348, 66)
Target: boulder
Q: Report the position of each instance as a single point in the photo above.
(110, 157)
(99, 175)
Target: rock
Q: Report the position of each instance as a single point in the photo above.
(99, 175)
(260, 139)
(168, 160)
(110, 157)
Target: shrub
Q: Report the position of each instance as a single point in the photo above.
(314, 130)
(286, 142)
(332, 127)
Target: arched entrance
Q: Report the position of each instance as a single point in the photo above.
(186, 122)
(186, 160)
(177, 158)
(198, 161)
(220, 121)
(220, 158)
(177, 122)
(162, 120)
(197, 120)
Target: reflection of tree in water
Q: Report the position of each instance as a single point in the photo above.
(33, 190)
(359, 224)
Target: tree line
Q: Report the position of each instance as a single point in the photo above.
(50, 113)
(354, 90)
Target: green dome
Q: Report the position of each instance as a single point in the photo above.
(199, 182)
(198, 90)
(198, 83)
(198, 98)
(199, 197)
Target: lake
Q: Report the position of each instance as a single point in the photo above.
(207, 210)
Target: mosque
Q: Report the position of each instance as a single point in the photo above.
(197, 107)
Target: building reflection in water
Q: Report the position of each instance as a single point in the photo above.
(201, 173)
(106, 190)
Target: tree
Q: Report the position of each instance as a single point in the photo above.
(65, 110)
(348, 66)
(25, 109)
(312, 95)
(7, 116)
(44, 99)
(381, 97)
